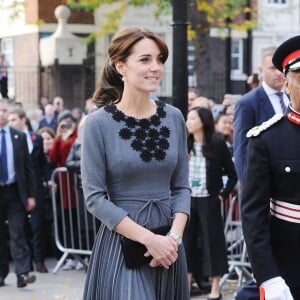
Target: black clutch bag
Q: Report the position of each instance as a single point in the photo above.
(134, 251)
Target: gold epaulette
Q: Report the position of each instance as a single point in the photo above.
(255, 131)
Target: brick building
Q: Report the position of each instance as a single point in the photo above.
(19, 40)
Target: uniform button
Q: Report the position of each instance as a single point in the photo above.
(287, 169)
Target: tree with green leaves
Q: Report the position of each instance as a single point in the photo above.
(203, 15)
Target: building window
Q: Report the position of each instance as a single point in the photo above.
(277, 1)
(6, 47)
(237, 56)
(192, 79)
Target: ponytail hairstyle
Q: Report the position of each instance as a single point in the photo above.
(209, 135)
(110, 87)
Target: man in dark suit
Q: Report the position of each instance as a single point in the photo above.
(49, 119)
(17, 195)
(270, 203)
(257, 106)
(18, 120)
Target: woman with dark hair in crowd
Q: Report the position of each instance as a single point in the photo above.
(224, 126)
(209, 160)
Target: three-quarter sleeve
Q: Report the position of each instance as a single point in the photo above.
(180, 189)
(94, 170)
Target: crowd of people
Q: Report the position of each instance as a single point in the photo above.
(26, 229)
(156, 181)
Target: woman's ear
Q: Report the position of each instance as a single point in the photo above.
(120, 67)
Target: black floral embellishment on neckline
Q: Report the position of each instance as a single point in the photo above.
(153, 133)
(146, 155)
(140, 133)
(131, 122)
(147, 138)
(125, 133)
(160, 154)
(155, 120)
(165, 131)
(164, 144)
(118, 116)
(144, 123)
(137, 145)
(150, 144)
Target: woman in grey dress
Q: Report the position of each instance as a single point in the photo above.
(135, 175)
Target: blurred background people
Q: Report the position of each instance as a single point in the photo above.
(89, 105)
(17, 194)
(253, 81)
(59, 106)
(224, 126)
(66, 135)
(201, 101)
(43, 102)
(36, 236)
(48, 136)
(49, 119)
(193, 93)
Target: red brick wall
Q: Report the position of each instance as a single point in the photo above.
(44, 10)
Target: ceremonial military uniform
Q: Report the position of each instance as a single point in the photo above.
(273, 173)
(270, 202)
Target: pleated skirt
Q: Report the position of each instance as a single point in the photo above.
(108, 278)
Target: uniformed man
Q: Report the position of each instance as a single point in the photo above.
(270, 203)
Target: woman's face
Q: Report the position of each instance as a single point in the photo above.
(144, 68)
(224, 125)
(47, 141)
(193, 122)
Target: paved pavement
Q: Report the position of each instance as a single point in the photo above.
(64, 285)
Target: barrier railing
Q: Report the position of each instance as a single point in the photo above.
(238, 262)
(74, 227)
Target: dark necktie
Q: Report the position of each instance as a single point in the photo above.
(4, 171)
(282, 105)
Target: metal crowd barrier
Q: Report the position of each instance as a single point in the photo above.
(74, 227)
(238, 262)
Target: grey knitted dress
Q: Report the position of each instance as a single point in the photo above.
(136, 168)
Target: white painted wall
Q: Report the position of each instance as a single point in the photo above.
(141, 17)
(276, 23)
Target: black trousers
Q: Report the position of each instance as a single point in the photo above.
(206, 222)
(13, 211)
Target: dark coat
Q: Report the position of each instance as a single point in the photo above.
(39, 163)
(23, 165)
(272, 171)
(218, 165)
(251, 110)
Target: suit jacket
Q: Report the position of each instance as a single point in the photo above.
(23, 165)
(272, 171)
(52, 124)
(251, 110)
(39, 163)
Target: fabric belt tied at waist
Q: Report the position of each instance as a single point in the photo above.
(285, 211)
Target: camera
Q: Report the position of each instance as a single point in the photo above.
(66, 126)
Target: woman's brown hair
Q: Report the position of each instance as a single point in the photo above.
(110, 87)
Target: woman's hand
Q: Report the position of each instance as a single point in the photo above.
(163, 249)
(64, 130)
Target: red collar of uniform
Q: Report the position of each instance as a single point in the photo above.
(294, 117)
